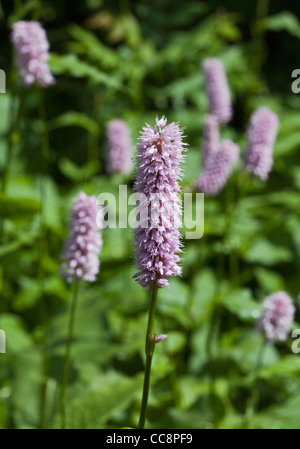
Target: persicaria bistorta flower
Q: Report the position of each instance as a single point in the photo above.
(119, 147)
(217, 89)
(32, 46)
(277, 316)
(211, 139)
(262, 131)
(157, 339)
(216, 173)
(82, 248)
(157, 240)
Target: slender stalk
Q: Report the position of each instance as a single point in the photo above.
(43, 249)
(254, 396)
(67, 359)
(149, 350)
(45, 133)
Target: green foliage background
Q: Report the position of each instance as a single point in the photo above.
(136, 60)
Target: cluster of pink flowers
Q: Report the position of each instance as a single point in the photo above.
(217, 89)
(160, 153)
(262, 133)
(31, 44)
(84, 244)
(218, 156)
(211, 139)
(277, 316)
(119, 147)
(215, 174)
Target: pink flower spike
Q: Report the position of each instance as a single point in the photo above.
(31, 44)
(217, 89)
(277, 316)
(216, 174)
(119, 147)
(157, 238)
(82, 248)
(262, 131)
(211, 139)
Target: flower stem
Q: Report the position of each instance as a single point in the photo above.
(149, 350)
(254, 395)
(43, 249)
(65, 373)
(45, 132)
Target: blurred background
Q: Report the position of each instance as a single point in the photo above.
(134, 60)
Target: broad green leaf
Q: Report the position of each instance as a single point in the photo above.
(72, 65)
(17, 338)
(269, 280)
(92, 409)
(287, 366)
(264, 252)
(76, 173)
(204, 292)
(11, 207)
(284, 20)
(240, 302)
(73, 118)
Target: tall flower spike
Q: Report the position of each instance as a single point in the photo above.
(217, 172)
(262, 131)
(82, 248)
(119, 147)
(217, 89)
(157, 239)
(211, 139)
(277, 316)
(31, 44)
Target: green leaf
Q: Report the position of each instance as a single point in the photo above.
(269, 280)
(92, 409)
(72, 118)
(4, 111)
(17, 339)
(189, 389)
(287, 144)
(284, 21)
(76, 173)
(175, 342)
(11, 207)
(24, 238)
(173, 302)
(88, 44)
(240, 303)
(264, 252)
(23, 10)
(283, 416)
(204, 291)
(71, 65)
(287, 366)
(26, 389)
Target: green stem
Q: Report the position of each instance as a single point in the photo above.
(45, 132)
(254, 396)
(149, 350)
(65, 373)
(43, 249)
